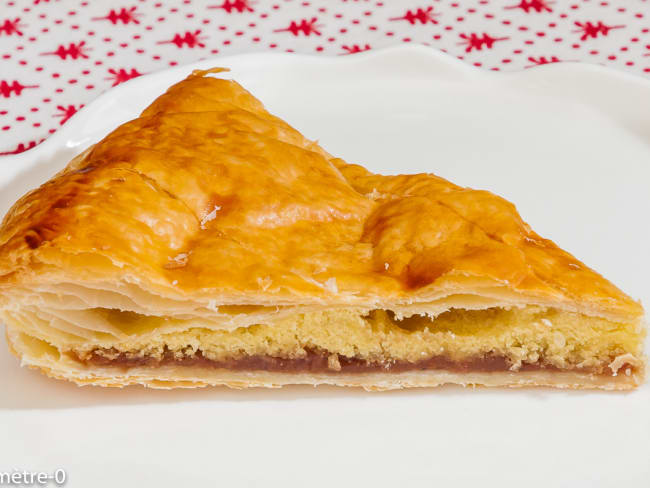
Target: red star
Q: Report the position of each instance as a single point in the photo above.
(6, 88)
(22, 147)
(121, 75)
(235, 5)
(192, 39)
(474, 41)
(536, 5)
(421, 15)
(307, 27)
(10, 27)
(542, 60)
(66, 112)
(355, 48)
(589, 29)
(73, 50)
(124, 15)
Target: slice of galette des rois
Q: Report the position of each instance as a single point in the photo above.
(207, 242)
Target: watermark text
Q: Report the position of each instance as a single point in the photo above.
(32, 478)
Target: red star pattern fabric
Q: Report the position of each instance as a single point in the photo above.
(57, 55)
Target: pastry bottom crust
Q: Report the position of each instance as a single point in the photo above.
(182, 377)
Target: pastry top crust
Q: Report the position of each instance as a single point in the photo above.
(206, 194)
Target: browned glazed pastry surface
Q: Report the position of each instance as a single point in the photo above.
(209, 191)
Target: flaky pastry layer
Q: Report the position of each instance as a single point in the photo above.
(348, 342)
(521, 336)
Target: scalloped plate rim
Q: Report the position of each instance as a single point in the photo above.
(443, 60)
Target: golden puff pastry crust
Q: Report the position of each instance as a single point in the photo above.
(212, 214)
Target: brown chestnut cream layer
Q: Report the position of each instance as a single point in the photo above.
(323, 362)
(344, 340)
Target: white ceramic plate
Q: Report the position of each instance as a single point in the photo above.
(568, 143)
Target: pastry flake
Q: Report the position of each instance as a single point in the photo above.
(207, 242)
